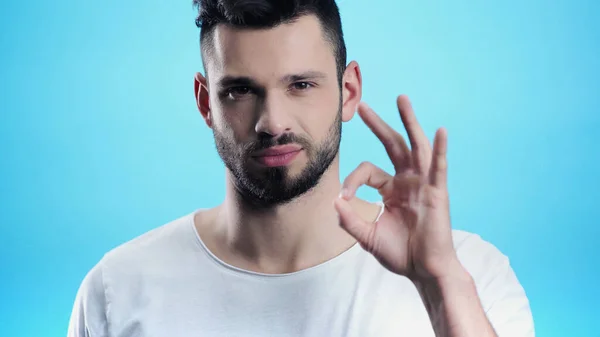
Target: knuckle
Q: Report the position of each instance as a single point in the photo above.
(358, 174)
(365, 165)
(396, 151)
(442, 163)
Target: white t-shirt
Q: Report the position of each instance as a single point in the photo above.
(166, 283)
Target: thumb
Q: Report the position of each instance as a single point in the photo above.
(352, 223)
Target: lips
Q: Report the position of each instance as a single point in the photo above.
(278, 155)
(278, 150)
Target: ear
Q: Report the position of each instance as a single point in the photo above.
(351, 90)
(201, 96)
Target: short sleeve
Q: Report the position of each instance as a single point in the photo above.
(88, 317)
(507, 305)
(502, 296)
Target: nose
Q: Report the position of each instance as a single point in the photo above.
(273, 119)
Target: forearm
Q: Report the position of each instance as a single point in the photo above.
(454, 307)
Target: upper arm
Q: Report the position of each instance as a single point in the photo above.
(502, 296)
(506, 303)
(88, 317)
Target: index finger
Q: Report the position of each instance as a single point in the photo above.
(394, 143)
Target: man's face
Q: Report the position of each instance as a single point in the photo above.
(275, 107)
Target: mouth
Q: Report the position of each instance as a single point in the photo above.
(278, 155)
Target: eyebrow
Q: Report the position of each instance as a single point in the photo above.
(308, 75)
(229, 81)
(246, 81)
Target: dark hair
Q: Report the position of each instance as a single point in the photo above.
(270, 13)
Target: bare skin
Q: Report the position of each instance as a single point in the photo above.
(269, 249)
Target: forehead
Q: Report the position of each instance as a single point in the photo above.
(262, 53)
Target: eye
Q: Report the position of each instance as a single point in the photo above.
(236, 93)
(301, 86)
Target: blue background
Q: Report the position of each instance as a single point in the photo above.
(101, 140)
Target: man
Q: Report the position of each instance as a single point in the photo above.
(291, 251)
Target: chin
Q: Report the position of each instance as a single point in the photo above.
(294, 170)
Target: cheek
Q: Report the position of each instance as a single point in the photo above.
(321, 114)
(236, 124)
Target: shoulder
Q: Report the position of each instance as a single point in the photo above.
(128, 263)
(502, 296)
(475, 252)
(484, 261)
(156, 249)
(156, 245)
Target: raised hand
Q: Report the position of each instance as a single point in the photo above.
(413, 236)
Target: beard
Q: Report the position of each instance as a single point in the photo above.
(273, 186)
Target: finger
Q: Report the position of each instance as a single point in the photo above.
(394, 143)
(365, 174)
(438, 173)
(361, 230)
(420, 146)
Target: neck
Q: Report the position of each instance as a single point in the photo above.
(290, 237)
